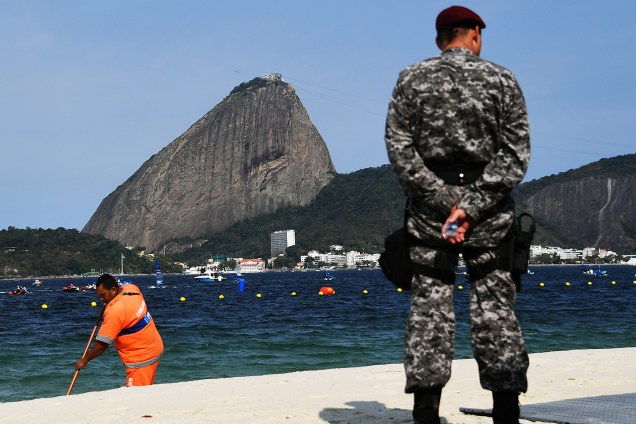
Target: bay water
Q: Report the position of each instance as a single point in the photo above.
(280, 324)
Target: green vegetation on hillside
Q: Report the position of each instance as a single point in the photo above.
(547, 232)
(41, 252)
(354, 210)
(609, 167)
(358, 210)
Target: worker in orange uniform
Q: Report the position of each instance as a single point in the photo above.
(128, 324)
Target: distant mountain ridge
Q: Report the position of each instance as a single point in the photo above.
(255, 152)
(359, 209)
(594, 205)
(356, 210)
(255, 164)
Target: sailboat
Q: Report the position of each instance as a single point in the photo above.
(158, 277)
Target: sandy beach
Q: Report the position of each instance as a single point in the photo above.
(371, 394)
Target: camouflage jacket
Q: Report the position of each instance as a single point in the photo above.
(458, 107)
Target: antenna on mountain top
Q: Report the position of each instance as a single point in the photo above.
(274, 76)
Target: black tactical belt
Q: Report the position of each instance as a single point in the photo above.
(457, 173)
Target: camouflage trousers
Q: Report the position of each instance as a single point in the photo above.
(496, 337)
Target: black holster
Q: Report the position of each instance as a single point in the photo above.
(513, 253)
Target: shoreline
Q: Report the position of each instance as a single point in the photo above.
(531, 265)
(372, 394)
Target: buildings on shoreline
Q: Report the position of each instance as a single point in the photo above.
(337, 257)
(550, 254)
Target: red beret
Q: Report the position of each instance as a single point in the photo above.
(454, 15)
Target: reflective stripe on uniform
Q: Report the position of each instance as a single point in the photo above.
(140, 325)
(143, 363)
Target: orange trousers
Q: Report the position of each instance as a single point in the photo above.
(144, 376)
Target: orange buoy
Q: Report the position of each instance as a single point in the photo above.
(326, 291)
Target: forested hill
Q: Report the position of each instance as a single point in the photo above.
(589, 206)
(594, 204)
(615, 167)
(44, 252)
(355, 210)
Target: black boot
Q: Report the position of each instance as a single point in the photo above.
(426, 406)
(505, 409)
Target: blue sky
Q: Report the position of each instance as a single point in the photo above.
(91, 89)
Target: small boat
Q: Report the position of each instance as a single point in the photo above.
(595, 272)
(19, 290)
(38, 283)
(89, 287)
(210, 276)
(122, 282)
(328, 277)
(71, 288)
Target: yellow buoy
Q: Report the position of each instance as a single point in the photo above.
(613, 282)
(182, 299)
(542, 284)
(460, 287)
(400, 289)
(589, 283)
(365, 291)
(293, 293)
(44, 306)
(567, 283)
(93, 303)
(221, 296)
(258, 295)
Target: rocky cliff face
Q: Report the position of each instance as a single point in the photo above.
(598, 211)
(255, 152)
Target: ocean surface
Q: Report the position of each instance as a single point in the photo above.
(267, 330)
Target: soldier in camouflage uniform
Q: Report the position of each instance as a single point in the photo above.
(458, 140)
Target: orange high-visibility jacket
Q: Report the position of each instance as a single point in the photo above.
(129, 325)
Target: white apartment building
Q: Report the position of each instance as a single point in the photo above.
(569, 254)
(629, 259)
(537, 250)
(604, 253)
(251, 265)
(350, 259)
(565, 254)
(281, 240)
(328, 258)
(589, 251)
(354, 258)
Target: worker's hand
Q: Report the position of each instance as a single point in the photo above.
(80, 364)
(464, 223)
